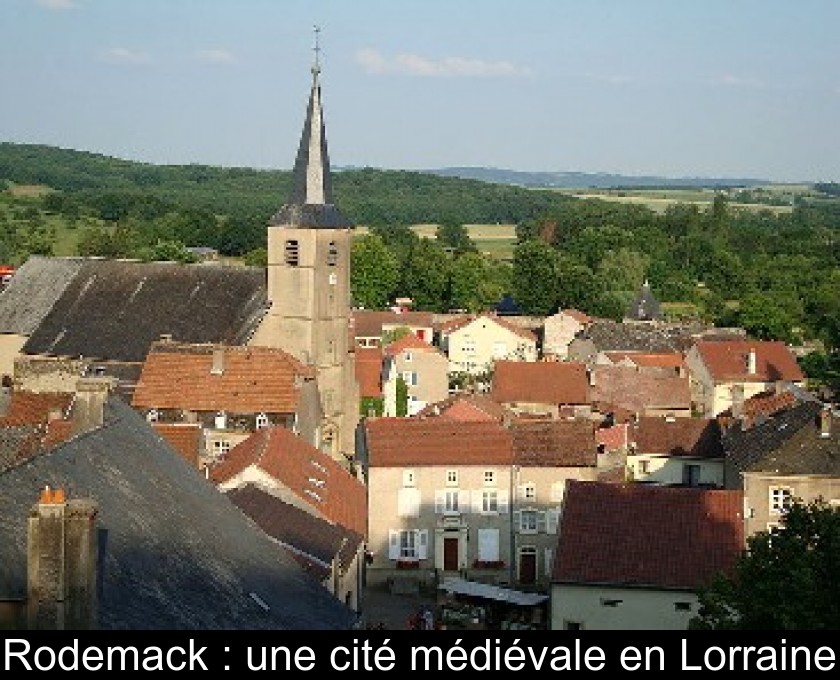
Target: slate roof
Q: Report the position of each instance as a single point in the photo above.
(394, 442)
(639, 389)
(368, 367)
(694, 437)
(647, 536)
(252, 379)
(179, 555)
(726, 360)
(115, 309)
(310, 474)
(33, 290)
(644, 307)
(746, 447)
(554, 443)
(301, 531)
(611, 336)
(541, 382)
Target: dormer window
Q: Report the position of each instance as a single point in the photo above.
(153, 415)
(221, 420)
(292, 253)
(261, 420)
(332, 254)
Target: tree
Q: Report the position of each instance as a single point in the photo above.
(427, 276)
(374, 272)
(785, 580)
(467, 283)
(534, 277)
(455, 236)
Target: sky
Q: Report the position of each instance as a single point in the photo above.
(671, 88)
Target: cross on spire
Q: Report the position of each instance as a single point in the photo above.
(316, 67)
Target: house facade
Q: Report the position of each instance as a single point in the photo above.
(422, 367)
(726, 372)
(559, 330)
(542, 388)
(474, 344)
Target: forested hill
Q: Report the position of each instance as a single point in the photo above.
(367, 196)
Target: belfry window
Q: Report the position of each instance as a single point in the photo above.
(332, 254)
(292, 253)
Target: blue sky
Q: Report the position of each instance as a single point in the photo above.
(677, 88)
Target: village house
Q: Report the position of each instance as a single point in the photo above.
(474, 343)
(467, 406)
(369, 366)
(559, 330)
(230, 391)
(370, 326)
(281, 464)
(623, 561)
(422, 368)
(639, 391)
(726, 372)
(544, 388)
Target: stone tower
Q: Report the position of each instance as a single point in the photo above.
(308, 281)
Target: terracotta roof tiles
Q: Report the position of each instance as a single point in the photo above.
(727, 360)
(554, 443)
(542, 382)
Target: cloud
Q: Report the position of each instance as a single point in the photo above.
(414, 64)
(215, 56)
(124, 55)
(732, 80)
(57, 4)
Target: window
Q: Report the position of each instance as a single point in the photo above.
(447, 502)
(292, 253)
(610, 602)
(221, 447)
(490, 501)
(333, 280)
(529, 491)
(489, 477)
(332, 255)
(552, 519)
(451, 478)
(409, 377)
(488, 545)
(781, 498)
(261, 421)
(644, 467)
(682, 606)
(153, 415)
(408, 477)
(572, 625)
(469, 346)
(408, 357)
(499, 350)
(691, 475)
(221, 420)
(408, 544)
(528, 521)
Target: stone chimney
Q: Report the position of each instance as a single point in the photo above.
(825, 422)
(218, 367)
(62, 563)
(88, 410)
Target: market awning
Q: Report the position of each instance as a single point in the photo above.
(461, 586)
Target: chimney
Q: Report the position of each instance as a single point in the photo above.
(751, 361)
(62, 563)
(88, 410)
(218, 367)
(825, 422)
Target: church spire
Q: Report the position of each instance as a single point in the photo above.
(311, 202)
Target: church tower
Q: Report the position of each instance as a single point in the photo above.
(308, 281)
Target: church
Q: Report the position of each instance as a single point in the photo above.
(62, 318)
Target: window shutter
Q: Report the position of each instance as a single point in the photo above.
(422, 543)
(415, 503)
(549, 561)
(393, 545)
(552, 519)
(541, 523)
(517, 520)
(557, 491)
(440, 501)
(477, 499)
(408, 502)
(488, 545)
(463, 500)
(503, 501)
(520, 491)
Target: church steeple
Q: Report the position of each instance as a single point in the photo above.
(311, 203)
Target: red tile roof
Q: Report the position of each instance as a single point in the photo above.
(613, 438)
(369, 371)
(394, 442)
(412, 342)
(726, 360)
(31, 408)
(639, 389)
(253, 379)
(310, 474)
(644, 535)
(540, 382)
(367, 323)
(465, 407)
(577, 315)
(673, 360)
(700, 437)
(554, 443)
(185, 438)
